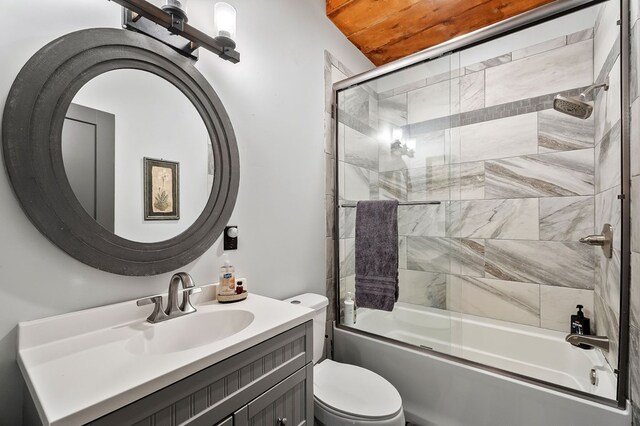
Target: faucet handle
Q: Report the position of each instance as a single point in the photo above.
(158, 311)
(194, 290)
(186, 305)
(149, 300)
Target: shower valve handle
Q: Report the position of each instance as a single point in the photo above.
(604, 240)
(594, 240)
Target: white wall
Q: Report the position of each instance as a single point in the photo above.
(275, 98)
(152, 119)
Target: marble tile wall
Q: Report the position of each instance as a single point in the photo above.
(513, 219)
(564, 264)
(516, 180)
(561, 132)
(552, 174)
(518, 303)
(566, 218)
(533, 196)
(558, 69)
(429, 102)
(507, 137)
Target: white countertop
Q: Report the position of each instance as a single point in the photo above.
(78, 368)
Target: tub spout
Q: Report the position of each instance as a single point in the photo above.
(600, 342)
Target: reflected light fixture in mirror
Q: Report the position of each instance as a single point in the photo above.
(224, 24)
(399, 147)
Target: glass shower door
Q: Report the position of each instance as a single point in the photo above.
(394, 143)
(497, 186)
(533, 179)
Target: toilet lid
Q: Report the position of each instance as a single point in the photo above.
(354, 390)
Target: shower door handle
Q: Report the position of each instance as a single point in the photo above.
(604, 240)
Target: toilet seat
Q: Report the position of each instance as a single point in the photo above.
(338, 418)
(354, 392)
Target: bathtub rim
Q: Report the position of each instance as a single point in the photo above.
(500, 325)
(549, 386)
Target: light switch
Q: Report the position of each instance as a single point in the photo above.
(230, 237)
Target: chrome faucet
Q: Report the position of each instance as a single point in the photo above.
(600, 342)
(180, 279)
(173, 310)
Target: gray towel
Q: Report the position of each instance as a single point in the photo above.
(377, 254)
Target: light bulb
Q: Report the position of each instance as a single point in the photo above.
(396, 135)
(224, 23)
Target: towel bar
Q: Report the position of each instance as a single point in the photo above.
(401, 203)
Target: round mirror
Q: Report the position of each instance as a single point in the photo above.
(120, 152)
(137, 155)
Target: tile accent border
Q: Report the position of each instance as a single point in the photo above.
(496, 112)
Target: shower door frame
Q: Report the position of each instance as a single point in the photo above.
(536, 16)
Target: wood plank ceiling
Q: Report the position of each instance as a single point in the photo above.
(386, 30)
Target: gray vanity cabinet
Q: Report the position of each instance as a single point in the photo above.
(284, 404)
(270, 384)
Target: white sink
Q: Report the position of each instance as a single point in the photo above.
(82, 365)
(188, 332)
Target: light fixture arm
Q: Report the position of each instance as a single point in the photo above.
(141, 16)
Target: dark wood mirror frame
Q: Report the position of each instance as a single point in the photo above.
(32, 133)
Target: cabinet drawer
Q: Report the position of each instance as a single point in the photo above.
(289, 403)
(209, 396)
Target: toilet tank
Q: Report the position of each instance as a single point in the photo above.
(319, 304)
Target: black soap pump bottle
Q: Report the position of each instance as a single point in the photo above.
(581, 325)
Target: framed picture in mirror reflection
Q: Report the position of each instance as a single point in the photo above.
(161, 189)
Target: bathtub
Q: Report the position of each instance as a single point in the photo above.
(440, 391)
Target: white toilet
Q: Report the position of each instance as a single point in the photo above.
(345, 394)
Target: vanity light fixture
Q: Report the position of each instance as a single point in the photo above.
(144, 17)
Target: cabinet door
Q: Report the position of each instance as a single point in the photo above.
(288, 403)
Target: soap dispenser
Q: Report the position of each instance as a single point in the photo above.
(227, 283)
(581, 325)
(349, 310)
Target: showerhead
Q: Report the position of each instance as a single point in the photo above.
(578, 107)
(572, 106)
